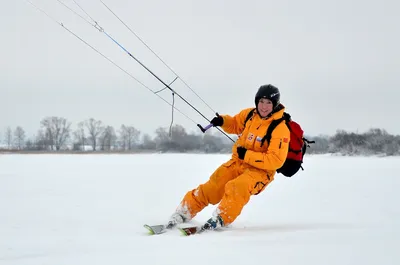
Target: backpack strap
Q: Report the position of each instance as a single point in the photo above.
(248, 117)
(286, 117)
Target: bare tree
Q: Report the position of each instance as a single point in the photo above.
(8, 137)
(30, 145)
(148, 143)
(129, 136)
(95, 128)
(108, 138)
(19, 135)
(41, 141)
(57, 131)
(211, 143)
(79, 135)
(162, 139)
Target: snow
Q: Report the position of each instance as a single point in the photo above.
(90, 209)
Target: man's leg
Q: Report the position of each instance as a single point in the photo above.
(237, 194)
(210, 192)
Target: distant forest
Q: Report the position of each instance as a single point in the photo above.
(55, 135)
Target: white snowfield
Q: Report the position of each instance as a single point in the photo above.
(90, 210)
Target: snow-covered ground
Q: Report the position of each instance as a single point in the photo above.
(90, 209)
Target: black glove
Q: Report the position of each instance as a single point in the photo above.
(217, 121)
(241, 152)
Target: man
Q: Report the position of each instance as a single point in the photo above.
(251, 168)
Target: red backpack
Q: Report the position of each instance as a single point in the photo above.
(297, 145)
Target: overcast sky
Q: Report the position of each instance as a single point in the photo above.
(336, 62)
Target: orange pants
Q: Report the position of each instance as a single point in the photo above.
(231, 185)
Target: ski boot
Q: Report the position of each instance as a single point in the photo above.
(175, 219)
(213, 223)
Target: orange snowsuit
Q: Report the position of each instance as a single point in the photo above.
(232, 184)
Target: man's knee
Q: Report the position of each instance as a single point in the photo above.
(239, 184)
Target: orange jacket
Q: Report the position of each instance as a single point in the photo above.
(266, 157)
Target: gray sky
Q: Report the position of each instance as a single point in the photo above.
(336, 62)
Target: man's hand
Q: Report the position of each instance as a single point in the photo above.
(217, 121)
(241, 151)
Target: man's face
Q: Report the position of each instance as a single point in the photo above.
(264, 107)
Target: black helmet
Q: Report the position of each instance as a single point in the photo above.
(269, 92)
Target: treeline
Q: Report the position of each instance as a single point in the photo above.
(55, 134)
(373, 142)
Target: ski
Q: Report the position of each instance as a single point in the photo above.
(156, 229)
(161, 229)
(193, 230)
(185, 231)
